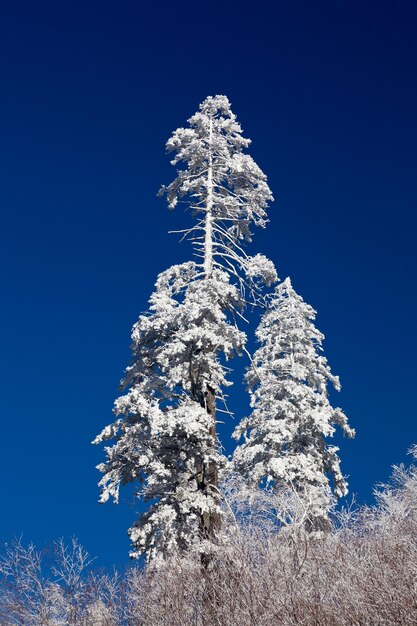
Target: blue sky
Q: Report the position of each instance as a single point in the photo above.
(90, 92)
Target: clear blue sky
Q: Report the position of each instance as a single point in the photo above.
(90, 91)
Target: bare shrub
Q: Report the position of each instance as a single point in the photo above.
(54, 588)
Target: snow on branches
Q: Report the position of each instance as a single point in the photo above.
(285, 435)
(164, 434)
(164, 437)
(224, 188)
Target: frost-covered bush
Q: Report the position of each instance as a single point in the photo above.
(54, 587)
(265, 571)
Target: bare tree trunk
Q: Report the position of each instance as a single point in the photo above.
(318, 524)
(211, 521)
(207, 475)
(208, 227)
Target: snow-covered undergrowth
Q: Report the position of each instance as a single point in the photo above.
(363, 572)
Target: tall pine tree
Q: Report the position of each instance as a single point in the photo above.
(164, 437)
(284, 443)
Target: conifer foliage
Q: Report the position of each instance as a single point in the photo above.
(284, 443)
(164, 436)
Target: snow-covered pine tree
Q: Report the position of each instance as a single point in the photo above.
(164, 437)
(284, 445)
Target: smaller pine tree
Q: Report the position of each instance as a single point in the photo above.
(284, 443)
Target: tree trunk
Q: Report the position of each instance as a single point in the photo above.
(210, 521)
(208, 227)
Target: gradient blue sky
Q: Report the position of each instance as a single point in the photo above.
(90, 91)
